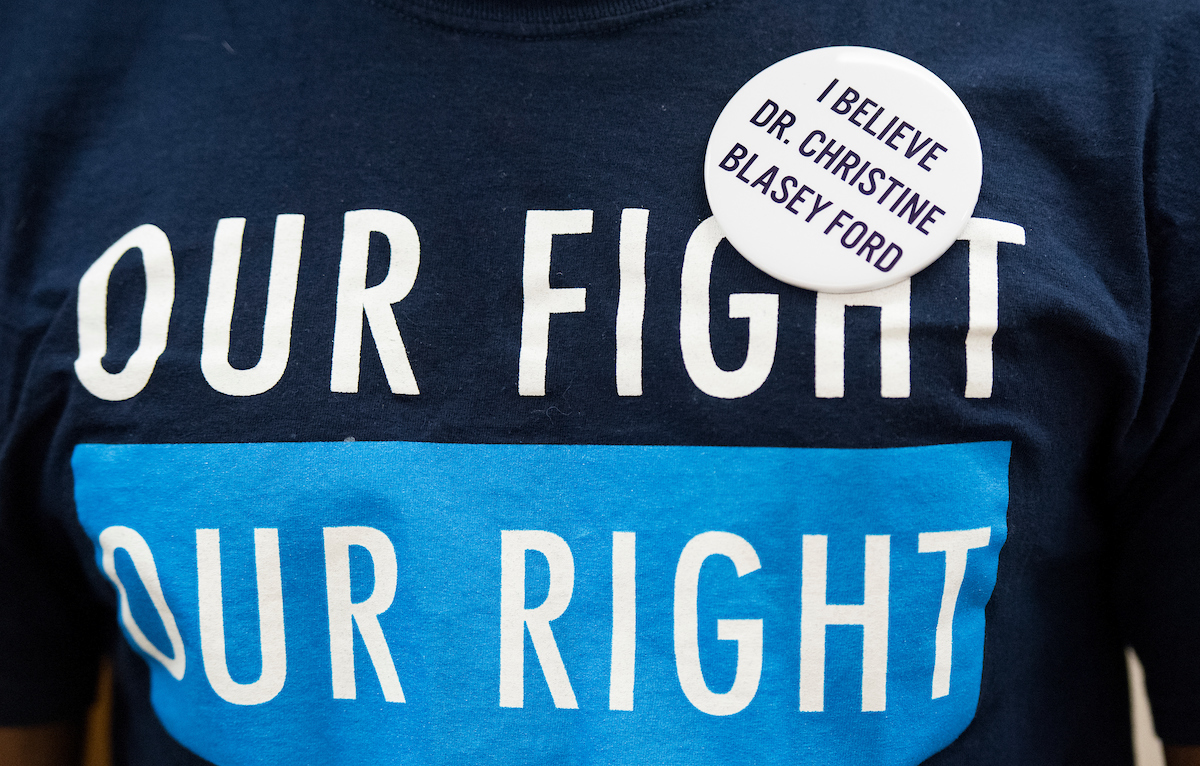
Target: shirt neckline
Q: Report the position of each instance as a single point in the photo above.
(539, 18)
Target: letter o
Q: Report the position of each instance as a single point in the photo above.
(135, 545)
(156, 315)
(862, 233)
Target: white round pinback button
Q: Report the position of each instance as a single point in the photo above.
(843, 169)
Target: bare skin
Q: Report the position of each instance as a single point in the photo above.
(1183, 756)
(62, 745)
(58, 744)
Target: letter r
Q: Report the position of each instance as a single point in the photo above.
(515, 616)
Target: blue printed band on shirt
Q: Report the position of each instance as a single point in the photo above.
(414, 602)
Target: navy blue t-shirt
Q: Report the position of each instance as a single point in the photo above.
(377, 387)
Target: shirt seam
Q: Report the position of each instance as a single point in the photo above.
(544, 30)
